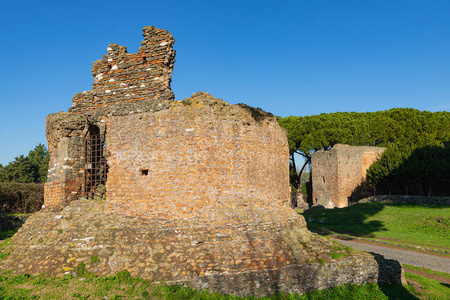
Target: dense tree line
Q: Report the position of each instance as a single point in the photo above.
(413, 169)
(416, 143)
(27, 169)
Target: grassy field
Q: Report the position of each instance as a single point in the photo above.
(414, 224)
(122, 286)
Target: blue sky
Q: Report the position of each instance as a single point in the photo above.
(287, 57)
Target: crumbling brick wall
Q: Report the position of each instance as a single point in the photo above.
(121, 77)
(338, 175)
(65, 136)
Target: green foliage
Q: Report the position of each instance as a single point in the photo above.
(415, 141)
(338, 255)
(21, 278)
(122, 276)
(7, 234)
(21, 197)
(26, 169)
(413, 169)
(186, 102)
(95, 259)
(81, 269)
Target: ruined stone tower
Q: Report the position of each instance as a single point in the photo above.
(191, 192)
(338, 175)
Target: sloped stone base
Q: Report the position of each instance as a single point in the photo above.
(260, 252)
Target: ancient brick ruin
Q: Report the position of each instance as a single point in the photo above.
(338, 175)
(190, 192)
(123, 84)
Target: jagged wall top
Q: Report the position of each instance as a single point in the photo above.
(122, 77)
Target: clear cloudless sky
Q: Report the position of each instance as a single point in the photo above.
(302, 57)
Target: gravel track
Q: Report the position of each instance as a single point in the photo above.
(423, 260)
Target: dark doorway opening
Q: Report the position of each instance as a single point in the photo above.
(95, 167)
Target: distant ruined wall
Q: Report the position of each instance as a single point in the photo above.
(339, 174)
(193, 157)
(325, 176)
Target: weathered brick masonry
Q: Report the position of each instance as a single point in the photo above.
(338, 175)
(201, 154)
(197, 191)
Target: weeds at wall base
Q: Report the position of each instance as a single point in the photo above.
(4, 254)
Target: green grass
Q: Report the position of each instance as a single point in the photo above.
(7, 234)
(123, 286)
(120, 286)
(428, 271)
(417, 224)
(431, 289)
(10, 233)
(95, 259)
(366, 291)
(3, 253)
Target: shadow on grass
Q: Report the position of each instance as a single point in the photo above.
(396, 291)
(10, 224)
(7, 234)
(351, 220)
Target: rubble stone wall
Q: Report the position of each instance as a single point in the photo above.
(257, 251)
(402, 199)
(339, 174)
(121, 77)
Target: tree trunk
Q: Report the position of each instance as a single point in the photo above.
(308, 160)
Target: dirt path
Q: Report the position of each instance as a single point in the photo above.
(433, 262)
(431, 276)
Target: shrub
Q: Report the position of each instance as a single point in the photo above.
(21, 197)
